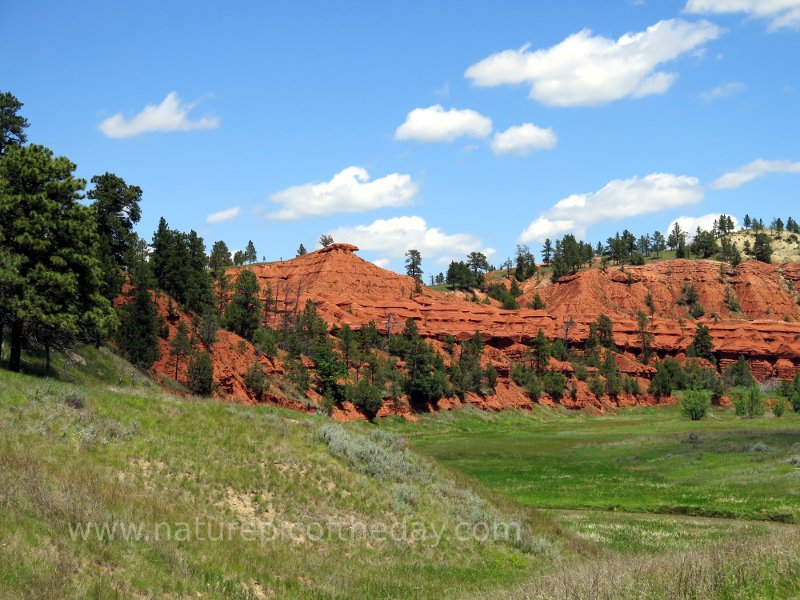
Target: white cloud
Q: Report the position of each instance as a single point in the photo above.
(224, 215)
(523, 139)
(586, 69)
(690, 224)
(348, 191)
(381, 262)
(435, 124)
(170, 115)
(722, 91)
(779, 13)
(618, 199)
(392, 238)
(754, 170)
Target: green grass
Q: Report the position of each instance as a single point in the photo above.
(637, 461)
(121, 451)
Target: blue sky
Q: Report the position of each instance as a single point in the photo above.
(446, 127)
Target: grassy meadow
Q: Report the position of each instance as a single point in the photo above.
(215, 500)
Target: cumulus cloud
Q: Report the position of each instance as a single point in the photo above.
(586, 69)
(754, 170)
(170, 115)
(435, 124)
(690, 224)
(618, 199)
(779, 13)
(722, 91)
(224, 215)
(523, 139)
(348, 191)
(391, 238)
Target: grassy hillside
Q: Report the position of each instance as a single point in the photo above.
(298, 501)
(112, 488)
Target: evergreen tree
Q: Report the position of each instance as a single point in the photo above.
(238, 258)
(547, 251)
(116, 211)
(219, 260)
(301, 250)
(250, 255)
(138, 332)
(347, 343)
(525, 263)
(477, 263)
(676, 237)
(51, 277)
(243, 313)
(179, 345)
(180, 267)
(746, 222)
(200, 377)
(762, 248)
(414, 265)
(702, 345)
(12, 125)
(645, 336)
(325, 240)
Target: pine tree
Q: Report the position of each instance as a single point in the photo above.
(219, 260)
(414, 265)
(179, 345)
(746, 222)
(138, 332)
(301, 250)
(547, 251)
(762, 248)
(200, 376)
(51, 271)
(250, 255)
(243, 313)
(116, 210)
(325, 240)
(12, 125)
(702, 345)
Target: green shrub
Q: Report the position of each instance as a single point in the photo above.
(697, 311)
(748, 403)
(597, 386)
(739, 374)
(367, 397)
(201, 374)
(555, 384)
(695, 404)
(779, 407)
(581, 373)
(255, 380)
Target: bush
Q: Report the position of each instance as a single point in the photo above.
(779, 407)
(748, 403)
(697, 311)
(555, 384)
(581, 373)
(367, 397)
(695, 405)
(201, 374)
(74, 399)
(597, 386)
(254, 379)
(739, 374)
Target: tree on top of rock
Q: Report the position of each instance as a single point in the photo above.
(702, 345)
(219, 260)
(250, 255)
(301, 250)
(414, 265)
(325, 240)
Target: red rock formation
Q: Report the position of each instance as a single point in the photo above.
(348, 289)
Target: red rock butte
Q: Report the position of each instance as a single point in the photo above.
(347, 289)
